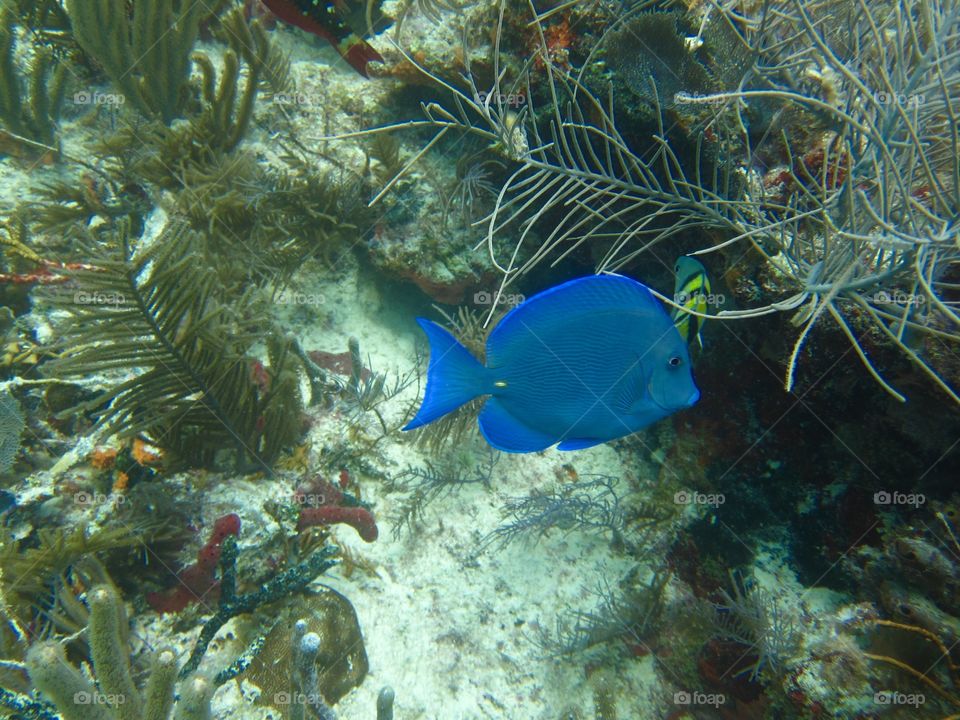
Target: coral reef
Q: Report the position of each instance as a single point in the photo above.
(591, 186)
(212, 259)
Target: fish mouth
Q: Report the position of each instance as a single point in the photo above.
(690, 401)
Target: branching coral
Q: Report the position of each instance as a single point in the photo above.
(870, 229)
(225, 119)
(231, 603)
(871, 222)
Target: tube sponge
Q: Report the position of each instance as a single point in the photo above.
(195, 695)
(74, 696)
(110, 655)
(159, 692)
(118, 698)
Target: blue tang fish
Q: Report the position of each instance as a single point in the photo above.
(582, 363)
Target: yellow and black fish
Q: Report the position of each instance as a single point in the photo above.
(691, 290)
(342, 23)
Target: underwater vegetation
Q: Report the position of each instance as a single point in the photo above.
(60, 681)
(435, 480)
(30, 99)
(751, 616)
(852, 221)
(211, 263)
(144, 49)
(198, 390)
(589, 504)
(625, 615)
(11, 427)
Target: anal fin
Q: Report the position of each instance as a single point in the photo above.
(504, 432)
(579, 443)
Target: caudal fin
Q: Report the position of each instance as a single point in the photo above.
(454, 376)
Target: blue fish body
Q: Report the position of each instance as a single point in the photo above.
(582, 363)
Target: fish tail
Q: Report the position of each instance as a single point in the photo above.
(454, 376)
(358, 52)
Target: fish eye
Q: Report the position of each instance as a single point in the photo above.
(675, 361)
